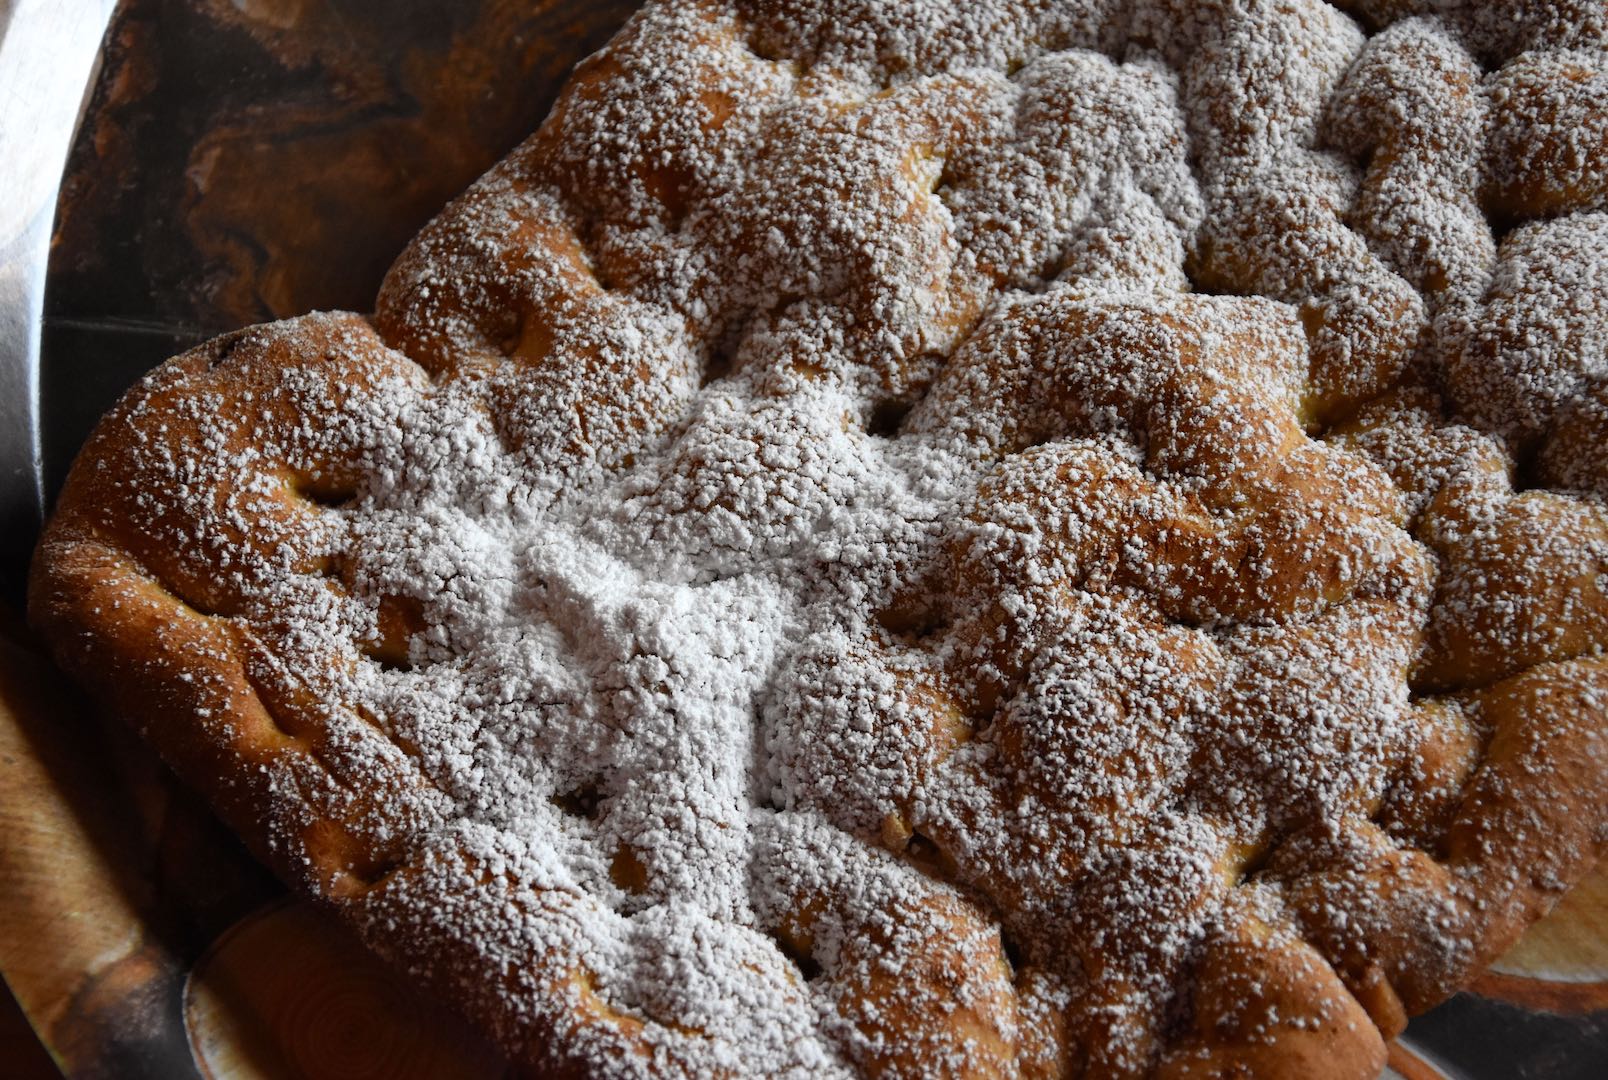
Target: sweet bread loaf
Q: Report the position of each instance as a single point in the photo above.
(996, 539)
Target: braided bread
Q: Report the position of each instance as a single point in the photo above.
(999, 539)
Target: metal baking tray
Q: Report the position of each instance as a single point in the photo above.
(179, 168)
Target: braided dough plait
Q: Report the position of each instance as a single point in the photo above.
(1050, 539)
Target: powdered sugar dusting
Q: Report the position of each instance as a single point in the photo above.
(943, 538)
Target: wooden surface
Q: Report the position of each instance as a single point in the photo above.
(141, 941)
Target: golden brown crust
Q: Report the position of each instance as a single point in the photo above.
(1197, 686)
(174, 637)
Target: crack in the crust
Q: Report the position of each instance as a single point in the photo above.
(887, 417)
(381, 871)
(583, 801)
(304, 736)
(347, 857)
(1495, 677)
(299, 737)
(183, 597)
(332, 565)
(313, 753)
(1256, 862)
(406, 747)
(921, 852)
(930, 860)
(327, 492)
(1365, 19)
(768, 51)
(369, 871)
(914, 622)
(718, 364)
(352, 866)
(385, 662)
(223, 348)
(1013, 953)
(398, 620)
(796, 952)
(512, 334)
(309, 738)
(1525, 465)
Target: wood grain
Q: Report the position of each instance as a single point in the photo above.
(289, 992)
(117, 878)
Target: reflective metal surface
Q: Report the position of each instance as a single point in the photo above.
(48, 50)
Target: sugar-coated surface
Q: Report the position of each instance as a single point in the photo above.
(986, 538)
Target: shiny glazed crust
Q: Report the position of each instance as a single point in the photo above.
(1226, 681)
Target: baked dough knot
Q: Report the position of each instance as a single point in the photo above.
(1039, 539)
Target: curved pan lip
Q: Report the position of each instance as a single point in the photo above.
(49, 51)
